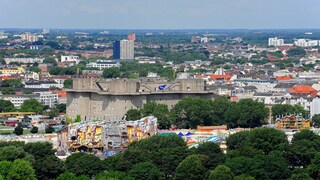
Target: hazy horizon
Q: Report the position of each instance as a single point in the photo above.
(164, 14)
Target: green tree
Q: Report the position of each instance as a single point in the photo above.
(34, 130)
(68, 83)
(15, 83)
(160, 111)
(31, 105)
(56, 71)
(18, 130)
(39, 149)
(112, 72)
(34, 69)
(8, 90)
(6, 106)
(21, 169)
(86, 164)
(305, 135)
(286, 109)
(247, 113)
(50, 60)
(243, 177)
(49, 167)
(213, 151)
(220, 106)
(132, 157)
(5, 167)
(173, 155)
(133, 114)
(157, 142)
(221, 172)
(268, 140)
(300, 52)
(11, 153)
(191, 168)
(49, 129)
(67, 176)
(113, 175)
(62, 108)
(193, 111)
(27, 91)
(146, 171)
(71, 176)
(314, 168)
(316, 120)
(237, 140)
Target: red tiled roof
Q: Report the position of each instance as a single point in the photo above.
(283, 78)
(216, 77)
(303, 89)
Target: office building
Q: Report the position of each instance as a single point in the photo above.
(123, 49)
(276, 42)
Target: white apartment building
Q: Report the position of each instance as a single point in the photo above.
(102, 64)
(276, 42)
(24, 60)
(70, 59)
(306, 43)
(17, 100)
(48, 98)
(42, 84)
(29, 37)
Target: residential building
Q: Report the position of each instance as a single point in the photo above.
(306, 43)
(275, 42)
(123, 49)
(7, 70)
(17, 100)
(292, 122)
(48, 98)
(29, 37)
(23, 60)
(42, 84)
(303, 90)
(70, 59)
(102, 64)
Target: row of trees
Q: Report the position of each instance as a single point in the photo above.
(257, 154)
(193, 111)
(136, 70)
(30, 105)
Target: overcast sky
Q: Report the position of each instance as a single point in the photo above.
(160, 14)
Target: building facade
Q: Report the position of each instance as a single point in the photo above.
(102, 64)
(94, 98)
(17, 100)
(123, 49)
(275, 42)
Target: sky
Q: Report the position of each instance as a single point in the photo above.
(160, 14)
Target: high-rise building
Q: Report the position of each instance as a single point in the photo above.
(276, 42)
(123, 49)
(29, 37)
(132, 36)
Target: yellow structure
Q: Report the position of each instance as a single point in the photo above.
(18, 70)
(16, 113)
(292, 122)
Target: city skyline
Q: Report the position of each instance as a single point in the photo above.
(152, 14)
